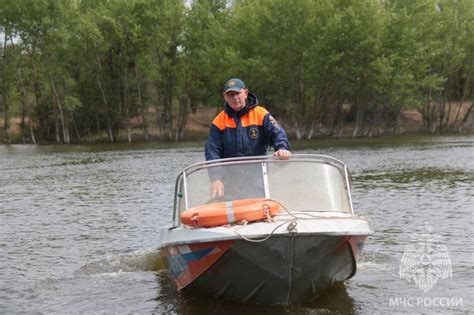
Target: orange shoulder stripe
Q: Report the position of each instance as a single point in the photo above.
(223, 121)
(255, 117)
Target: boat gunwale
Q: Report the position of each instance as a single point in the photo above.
(228, 232)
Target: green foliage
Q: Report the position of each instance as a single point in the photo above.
(94, 65)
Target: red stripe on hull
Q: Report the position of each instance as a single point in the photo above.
(187, 262)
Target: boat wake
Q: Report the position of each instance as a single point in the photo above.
(376, 261)
(148, 261)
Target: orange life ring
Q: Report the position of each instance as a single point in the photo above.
(222, 213)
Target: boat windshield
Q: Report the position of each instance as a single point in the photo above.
(303, 183)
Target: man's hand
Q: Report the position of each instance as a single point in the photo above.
(283, 154)
(217, 188)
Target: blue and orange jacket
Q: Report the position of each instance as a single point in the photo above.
(248, 132)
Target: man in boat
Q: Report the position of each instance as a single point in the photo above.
(243, 128)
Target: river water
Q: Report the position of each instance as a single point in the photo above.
(79, 227)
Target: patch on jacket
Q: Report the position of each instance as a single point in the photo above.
(274, 123)
(253, 133)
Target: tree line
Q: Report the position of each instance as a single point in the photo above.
(78, 68)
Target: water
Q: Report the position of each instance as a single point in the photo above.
(79, 224)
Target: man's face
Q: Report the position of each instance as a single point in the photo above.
(236, 99)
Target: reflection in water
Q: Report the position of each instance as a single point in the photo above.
(333, 300)
(417, 176)
(79, 226)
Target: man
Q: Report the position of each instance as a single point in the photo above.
(243, 128)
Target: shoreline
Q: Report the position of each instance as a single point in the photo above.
(192, 141)
(197, 129)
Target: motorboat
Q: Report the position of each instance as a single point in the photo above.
(283, 231)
